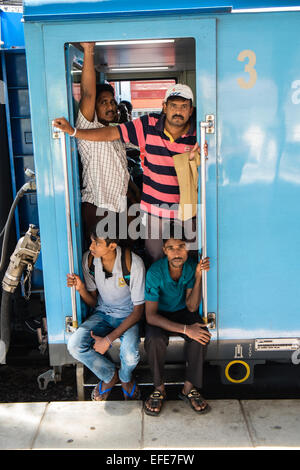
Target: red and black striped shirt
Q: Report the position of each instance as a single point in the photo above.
(160, 184)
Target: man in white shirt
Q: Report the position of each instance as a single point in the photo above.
(118, 306)
(105, 174)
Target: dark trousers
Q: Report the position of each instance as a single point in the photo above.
(156, 343)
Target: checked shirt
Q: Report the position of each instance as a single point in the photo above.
(104, 169)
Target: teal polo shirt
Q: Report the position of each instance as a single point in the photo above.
(161, 288)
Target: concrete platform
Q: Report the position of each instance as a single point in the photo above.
(116, 425)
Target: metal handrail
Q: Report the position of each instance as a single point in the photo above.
(61, 135)
(205, 126)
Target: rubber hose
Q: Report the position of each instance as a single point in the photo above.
(7, 227)
(5, 325)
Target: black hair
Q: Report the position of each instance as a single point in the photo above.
(110, 229)
(108, 240)
(173, 230)
(123, 113)
(100, 87)
(127, 104)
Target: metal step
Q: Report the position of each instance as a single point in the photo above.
(174, 367)
(174, 375)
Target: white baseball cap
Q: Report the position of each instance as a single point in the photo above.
(182, 91)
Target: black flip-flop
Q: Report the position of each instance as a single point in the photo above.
(156, 398)
(197, 397)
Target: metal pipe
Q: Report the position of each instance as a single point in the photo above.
(69, 226)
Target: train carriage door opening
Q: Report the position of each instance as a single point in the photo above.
(141, 70)
(54, 60)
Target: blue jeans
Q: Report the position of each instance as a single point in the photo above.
(80, 346)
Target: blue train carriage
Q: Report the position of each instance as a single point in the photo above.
(243, 65)
(24, 317)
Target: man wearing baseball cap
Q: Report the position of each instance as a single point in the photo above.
(161, 136)
(182, 91)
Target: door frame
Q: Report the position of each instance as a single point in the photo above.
(49, 98)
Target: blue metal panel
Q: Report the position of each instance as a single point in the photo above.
(19, 102)
(50, 10)
(259, 177)
(20, 142)
(12, 33)
(9, 134)
(53, 10)
(50, 181)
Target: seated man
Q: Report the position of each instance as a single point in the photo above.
(119, 307)
(173, 296)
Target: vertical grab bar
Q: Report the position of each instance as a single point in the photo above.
(62, 137)
(205, 127)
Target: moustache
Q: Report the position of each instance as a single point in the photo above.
(178, 116)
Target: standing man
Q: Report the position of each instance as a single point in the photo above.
(162, 136)
(173, 296)
(105, 175)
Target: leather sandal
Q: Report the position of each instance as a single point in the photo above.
(155, 400)
(195, 396)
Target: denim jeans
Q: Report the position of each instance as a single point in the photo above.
(80, 346)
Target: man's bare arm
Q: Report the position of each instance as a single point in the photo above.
(89, 297)
(100, 134)
(195, 331)
(128, 322)
(102, 344)
(88, 82)
(153, 318)
(193, 296)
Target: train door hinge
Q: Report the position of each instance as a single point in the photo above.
(210, 120)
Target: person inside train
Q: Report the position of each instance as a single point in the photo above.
(162, 136)
(173, 296)
(123, 115)
(105, 175)
(133, 157)
(129, 108)
(114, 283)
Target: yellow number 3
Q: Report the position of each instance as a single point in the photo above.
(249, 68)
